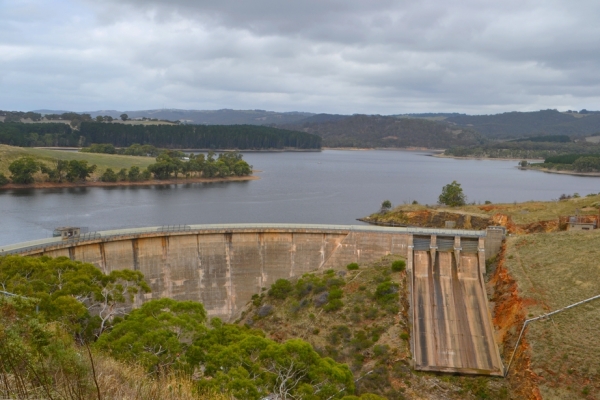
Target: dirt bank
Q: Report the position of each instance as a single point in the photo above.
(51, 185)
(508, 318)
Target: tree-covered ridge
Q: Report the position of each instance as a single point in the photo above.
(242, 137)
(523, 149)
(380, 131)
(519, 124)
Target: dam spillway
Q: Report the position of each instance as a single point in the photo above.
(222, 266)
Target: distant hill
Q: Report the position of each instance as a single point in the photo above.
(205, 117)
(381, 131)
(521, 124)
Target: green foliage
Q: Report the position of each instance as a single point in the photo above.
(79, 170)
(398, 265)
(109, 176)
(198, 136)
(352, 266)
(78, 295)
(37, 359)
(546, 138)
(134, 174)
(587, 164)
(333, 305)
(37, 134)
(248, 365)
(452, 195)
(3, 180)
(122, 174)
(280, 289)
(104, 148)
(22, 170)
(386, 206)
(156, 335)
(387, 292)
(388, 131)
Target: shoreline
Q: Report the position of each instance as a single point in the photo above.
(182, 181)
(284, 150)
(442, 155)
(574, 173)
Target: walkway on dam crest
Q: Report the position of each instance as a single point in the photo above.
(165, 229)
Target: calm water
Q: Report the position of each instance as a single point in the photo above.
(331, 187)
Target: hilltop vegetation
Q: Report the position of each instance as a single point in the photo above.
(521, 124)
(379, 131)
(243, 137)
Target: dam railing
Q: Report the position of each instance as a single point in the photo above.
(171, 229)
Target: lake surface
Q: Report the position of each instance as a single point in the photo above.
(328, 187)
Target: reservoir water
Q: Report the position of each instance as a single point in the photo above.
(328, 187)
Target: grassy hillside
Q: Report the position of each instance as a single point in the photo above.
(9, 153)
(553, 271)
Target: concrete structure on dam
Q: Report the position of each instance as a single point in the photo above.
(222, 266)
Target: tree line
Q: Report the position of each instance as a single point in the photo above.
(169, 164)
(242, 137)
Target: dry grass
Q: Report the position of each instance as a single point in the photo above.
(522, 213)
(553, 271)
(118, 380)
(10, 153)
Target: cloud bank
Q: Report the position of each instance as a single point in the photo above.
(337, 56)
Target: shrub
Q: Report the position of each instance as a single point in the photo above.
(399, 266)
(386, 292)
(352, 266)
(122, 174)
(281, 289)
(404, 336)
(3, 179)
(333, 305)
(335, 293)
(109, 176)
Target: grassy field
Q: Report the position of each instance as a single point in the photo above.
(9, 153)
(553, 271)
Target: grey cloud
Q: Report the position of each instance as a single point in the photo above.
(342, 56)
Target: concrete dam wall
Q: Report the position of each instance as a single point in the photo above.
(222, 266)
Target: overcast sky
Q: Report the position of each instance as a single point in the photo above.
(335, 56)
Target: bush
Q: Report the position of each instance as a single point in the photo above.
(333, 305)
(399, 266)
(386, 292)
(352, 266)
(109, 176)
(404, 336)
(3, 180)
(281, 289)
